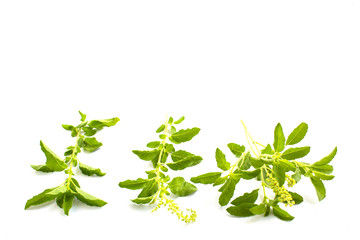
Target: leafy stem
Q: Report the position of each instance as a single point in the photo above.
(73, 154)
(155, 189)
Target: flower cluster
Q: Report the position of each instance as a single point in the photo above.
(175, 209)
(281, 192)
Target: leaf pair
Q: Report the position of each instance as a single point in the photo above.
(64, 196)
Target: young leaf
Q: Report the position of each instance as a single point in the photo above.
(179, 120)
(295, 153)
(326, 159)
(91, 144)
(279, 138)
(87, 170)
(227, 192)
(53, 162)
(236, 149)
(184, 163)
(185, 135)
(181, 188)
(207, 178)
(221, 160)
(297, 134)
(134, 184)
(242, 210)
(267, 150)
(319, 187)
(282, 214)
(89, 199)
(99, 124)
(83, 116)
(246, 198)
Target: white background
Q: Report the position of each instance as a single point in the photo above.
(216, 62)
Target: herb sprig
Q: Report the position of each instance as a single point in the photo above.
(65, 193)
(273, 166)
(155, 189)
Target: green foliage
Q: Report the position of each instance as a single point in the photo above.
(276, 168)
(157, 187)
(65, 193)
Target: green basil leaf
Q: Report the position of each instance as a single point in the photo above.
(68, 127)
(259, 209)
(88, 131)
(91, 144)
(297, 134)
(295, 153)
(180, 155)
(246, 198)
(267, 150)
(179, 120)
(53, 162)
(242, 210)
(282, 214)
(236, 149)
(221, 160)
(323, 176)
(147, 155)
(319, 187)
(279, 138)
(142, 200)
(296, 197)
(154, 144)
(161, 128)
(207, 178)
(68, 199)
(149, 189)
(40, 198)
(134, 184)
(87, 170)
(99, 124)
(326, 159)
(42, 168)
(184, 163)
(185, 135)
(327, 169)
(249, 174)
(89, 199)
(170, 121)
(297, 175)
(227, 192)
(83, 116)
(181, 188)
(279, 174)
